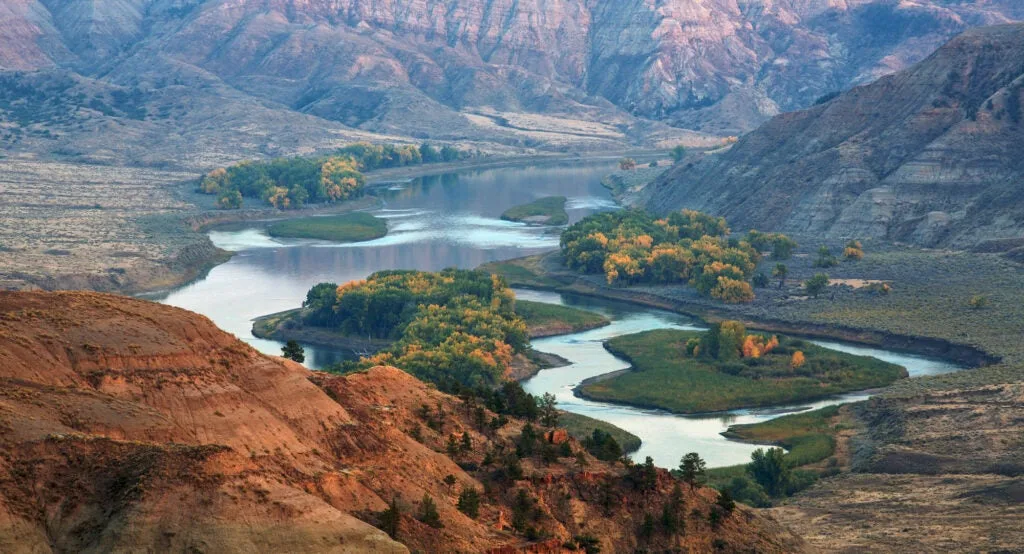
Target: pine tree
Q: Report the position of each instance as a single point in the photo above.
(428, 513)
(293, 351)
(692, 468)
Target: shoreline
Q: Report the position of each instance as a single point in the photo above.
(578, 392)
(201, 220)
(970, 356)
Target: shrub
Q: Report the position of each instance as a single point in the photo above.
(469, 502)
(817, 284)
(978, 301)
(428, 512)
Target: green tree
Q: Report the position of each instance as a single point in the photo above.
(825, 258)
(449, 153)
(428, 512)
(391, 518)
(627, 164)
(646, 530)
(769, 469)
(467, 442)
(293, 351)
(469, 502)
(429, 154)
(760, 280)
(671, 523)
(452, 447)
(678, 153)
(229, 200)
(449, 481)
(817, 284)
(779, 272)
(548, 406)
(725, 502)
(692, 469)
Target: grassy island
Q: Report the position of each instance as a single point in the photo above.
(549, 210)
(547, 320)
(350, 227)
(726, 368)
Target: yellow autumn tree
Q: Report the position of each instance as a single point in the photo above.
(339, 179)
(797, 360)
(854, 250)
(214, 181)
(732, 291)
(277, 197)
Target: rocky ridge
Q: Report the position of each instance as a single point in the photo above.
(129, 425)
(925, 156)
(163, 81)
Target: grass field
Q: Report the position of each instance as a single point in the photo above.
(808, 436)
(350, 227)
(581, 427)
(545, 320)
(664, 377)
(549, 210)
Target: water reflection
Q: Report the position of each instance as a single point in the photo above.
(453, 221)
(434, 222)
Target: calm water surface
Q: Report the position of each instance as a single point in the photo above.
(453, 221)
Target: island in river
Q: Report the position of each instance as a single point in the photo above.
(549, 210)
(670, 372)
(349, 227)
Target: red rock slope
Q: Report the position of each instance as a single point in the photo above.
(127, 425)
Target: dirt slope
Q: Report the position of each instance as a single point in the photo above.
(128, 425)
(925, 156)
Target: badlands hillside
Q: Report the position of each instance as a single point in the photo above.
(128, 426)
(929, 156)
(195, 83)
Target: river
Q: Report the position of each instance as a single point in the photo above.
(453, 220)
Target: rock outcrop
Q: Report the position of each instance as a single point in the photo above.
(926, 156)
(130, 426)
(530, 73)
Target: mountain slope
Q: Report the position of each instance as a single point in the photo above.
(129, 426)
(586, 74)
(928, 155)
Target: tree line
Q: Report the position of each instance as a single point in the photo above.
(633, 247)
(452, 326)
(290, 183)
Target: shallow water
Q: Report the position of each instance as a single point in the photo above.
(667, 437)
(453, 221)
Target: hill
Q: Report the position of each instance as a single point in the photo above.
(927, 156)
(200, 83)
(131, 426)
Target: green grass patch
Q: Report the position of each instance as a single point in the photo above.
(549, 210)
(521, 272)
(808, 436)
(665, 377)
(350, 227)
(581, 427)
(544, 320)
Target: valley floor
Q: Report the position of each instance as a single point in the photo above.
(937, 463)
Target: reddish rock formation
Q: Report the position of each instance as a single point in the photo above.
(128, 425)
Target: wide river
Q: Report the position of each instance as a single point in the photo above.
(453, 221)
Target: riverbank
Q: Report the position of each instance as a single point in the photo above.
(942, 447)
(802, 315)
(663, 377)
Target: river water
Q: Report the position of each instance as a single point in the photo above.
(453, 221)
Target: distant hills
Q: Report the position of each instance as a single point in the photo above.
(930, 155)
(195, 83)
